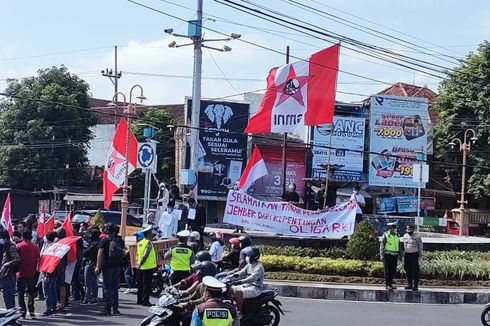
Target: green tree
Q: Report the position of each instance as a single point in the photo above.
(98, 219)
(364, 244)
(158, 118)
(464, 102)
(40, 139)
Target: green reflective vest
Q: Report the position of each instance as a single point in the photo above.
(392, 244)
(151, 260)
(181, 259)
(217, 317)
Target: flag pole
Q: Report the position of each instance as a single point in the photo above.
(328, 168)
(284, 143)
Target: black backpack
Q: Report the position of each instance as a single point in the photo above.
(116, 253)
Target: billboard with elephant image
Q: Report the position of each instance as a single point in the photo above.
(223, 146)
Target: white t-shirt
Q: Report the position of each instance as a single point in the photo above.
(216, 250)
(360, 200)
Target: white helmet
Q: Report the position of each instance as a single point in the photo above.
(195, 236)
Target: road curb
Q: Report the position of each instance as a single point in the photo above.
(359, 293)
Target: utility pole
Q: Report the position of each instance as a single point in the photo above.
(284, 145)
(113, 76)
(464, 147)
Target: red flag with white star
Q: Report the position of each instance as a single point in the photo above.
(115, 168)
(300, 93)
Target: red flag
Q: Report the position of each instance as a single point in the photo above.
(254, 170)
(52, 253)
(41, 221)
(6, 219)
(67, 225)
(115, 169)
(49, 225)
(300, 93)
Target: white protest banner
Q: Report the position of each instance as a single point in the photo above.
(287, 219)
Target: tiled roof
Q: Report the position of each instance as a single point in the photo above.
(101, 106)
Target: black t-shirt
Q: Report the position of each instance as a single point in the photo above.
(105, 244)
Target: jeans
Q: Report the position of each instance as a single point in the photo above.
(92, 289)
(51, 293)
(128, 276)
(111, 286)
(8, 286)
(26, 286)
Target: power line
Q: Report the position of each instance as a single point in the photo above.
(53, 54)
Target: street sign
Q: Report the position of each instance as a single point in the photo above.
(417, 169)
(147, 157)
(432, 221)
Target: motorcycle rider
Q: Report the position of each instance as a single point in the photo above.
(190, 283)
(146, 262)
(181, 258)
(249, 281)
(245, 245)
(195, 242)
(231, 259)
(214, 312)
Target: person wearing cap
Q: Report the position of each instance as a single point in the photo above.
(217, 247)
(214, 312)
(233, 257)
(413, 246)
(359, 199)
(195, 242)
(146, 263)
(390, 252)
(181, 258)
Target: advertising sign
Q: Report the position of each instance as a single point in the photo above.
(223, 146)
(386, 205)
(348, 134)
(285, 218)
(406, 204)
(271, 184)
(398, 137)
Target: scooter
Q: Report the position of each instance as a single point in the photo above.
(160, 280)
(485, 315)
(164, 312)
(10, 316)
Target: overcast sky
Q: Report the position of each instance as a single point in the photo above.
(82, 35)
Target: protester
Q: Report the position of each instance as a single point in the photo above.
(199, 222)
(389, 253)
(413, 246)
(146, 261)
(10, 264)
(291, 195)
(109, 260)
(217, 247)
(214, 311)
(62, 286)
(320, 196)
(16, 237)
(162, 198)
(180, 257)
(195, 242)
(90, 255)
(179, 205)
(168, 222)
(233, 257)
(250, 279)
(174, 191)
(359, 199)
(51, 279)
(78, 291)
(29, 255)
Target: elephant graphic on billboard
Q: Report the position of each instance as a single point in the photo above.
(219, 114)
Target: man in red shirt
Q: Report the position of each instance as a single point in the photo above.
(26, 282)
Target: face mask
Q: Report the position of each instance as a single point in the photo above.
(247, 260)
(34, 234)
(410, 232)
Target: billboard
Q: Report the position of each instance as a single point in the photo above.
(223, 146)
(398, 137)
(348, 134)
(271, 184)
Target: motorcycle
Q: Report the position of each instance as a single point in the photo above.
(160, 280)
(485, 315)
(164, 312)
(10, 316)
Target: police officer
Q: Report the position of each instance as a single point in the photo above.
(181, 258)
(214, 312)
(146, 264)
(389, 254)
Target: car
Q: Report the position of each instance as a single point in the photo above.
(133, 224)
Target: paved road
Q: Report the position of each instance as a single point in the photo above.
(302, 312)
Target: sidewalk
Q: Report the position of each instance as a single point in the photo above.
(357, 292)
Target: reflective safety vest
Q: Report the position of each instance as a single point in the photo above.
(181, 259)
(217, 317)
(151, 260)
(392, 245)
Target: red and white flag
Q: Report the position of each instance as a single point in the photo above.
(6, 219)
(49, 225)
(41, 221)
(115, 168)
(67, 225)
(52, 253)
(254, 170)
(300, 93)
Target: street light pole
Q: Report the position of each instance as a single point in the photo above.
(464, 147)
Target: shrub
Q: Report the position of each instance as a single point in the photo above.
(364, 243)
(334, 252)
(98, 219)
